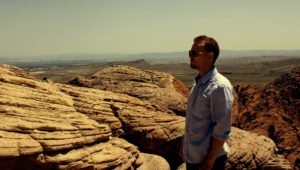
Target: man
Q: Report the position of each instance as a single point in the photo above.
(208, 116)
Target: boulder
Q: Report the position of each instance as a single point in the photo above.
(115, 153)
(154, 162)
(150, 86)
(41, 129)
(80, 81)
(253, 151)
(152, 130)
(273, 111)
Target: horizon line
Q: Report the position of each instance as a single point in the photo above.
(87, 53)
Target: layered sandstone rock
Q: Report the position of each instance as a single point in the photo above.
(65, 127)
(154, 162)
(252, 151)
(273, 111)
(127, 116)
(115, 153)
(41, 129)
(15, 71)
(150, 86)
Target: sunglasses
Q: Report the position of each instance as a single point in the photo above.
(193, 53)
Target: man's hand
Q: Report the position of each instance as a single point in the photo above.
(181, 149)
(215, 148)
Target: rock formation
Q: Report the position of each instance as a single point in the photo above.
(40, 128)
(56, 126)
(81, 81)
(150, 86)
(15, 71)
(273, 111)
(154, 162)
(252, 151)
(129, 117)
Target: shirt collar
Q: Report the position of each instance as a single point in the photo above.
(212, 72)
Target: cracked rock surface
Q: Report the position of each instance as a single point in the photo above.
(55, 126)
(273, 111)
(150, 86)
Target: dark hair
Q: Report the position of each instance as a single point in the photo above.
(210, 45)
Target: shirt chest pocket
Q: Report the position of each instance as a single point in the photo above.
(201, 107)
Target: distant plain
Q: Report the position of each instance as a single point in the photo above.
(257, 71)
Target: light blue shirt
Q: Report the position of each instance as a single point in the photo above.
(208, 114)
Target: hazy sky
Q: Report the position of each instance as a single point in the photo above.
(42, 27)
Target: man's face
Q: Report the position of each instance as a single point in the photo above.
(199, 58)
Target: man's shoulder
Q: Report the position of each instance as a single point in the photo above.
(221, 81)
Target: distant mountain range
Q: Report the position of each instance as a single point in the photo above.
(173, 57)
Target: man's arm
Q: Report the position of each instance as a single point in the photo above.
(215, 149)
(221, 107)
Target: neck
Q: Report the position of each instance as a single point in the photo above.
(203, 71)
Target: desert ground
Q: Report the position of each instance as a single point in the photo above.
(257, 71)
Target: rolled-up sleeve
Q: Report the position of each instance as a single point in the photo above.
(221, 107)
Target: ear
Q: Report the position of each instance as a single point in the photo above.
(211, 56)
